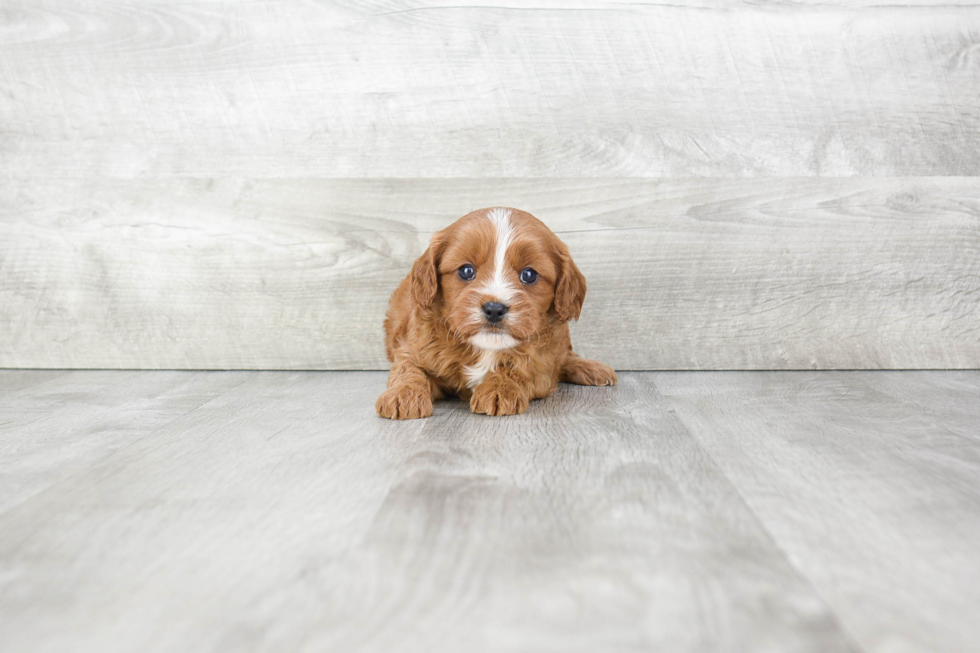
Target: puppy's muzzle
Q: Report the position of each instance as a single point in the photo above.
(494, 312)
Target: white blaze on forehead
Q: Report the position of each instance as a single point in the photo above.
(497, 286)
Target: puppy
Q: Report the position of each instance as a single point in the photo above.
(483, 315)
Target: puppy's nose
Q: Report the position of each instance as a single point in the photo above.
(494, 311)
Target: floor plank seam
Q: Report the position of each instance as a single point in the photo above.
(845, 631)
(764, 511)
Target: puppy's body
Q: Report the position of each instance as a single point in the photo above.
(498, 338)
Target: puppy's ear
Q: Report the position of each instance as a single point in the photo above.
(570, 286)
(425, 273)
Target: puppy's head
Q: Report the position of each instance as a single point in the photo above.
(502, 277)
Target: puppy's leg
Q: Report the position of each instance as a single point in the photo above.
(502, 392)
(410, 392)
(584, 371)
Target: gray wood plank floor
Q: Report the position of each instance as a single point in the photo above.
(684, 511)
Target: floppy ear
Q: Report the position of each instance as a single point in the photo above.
(569, 288)
(425, 273)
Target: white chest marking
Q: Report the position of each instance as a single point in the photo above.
(476, 373)
(493, 341)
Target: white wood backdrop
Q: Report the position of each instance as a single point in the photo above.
(241, 184)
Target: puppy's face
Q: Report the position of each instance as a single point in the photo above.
(502, 276)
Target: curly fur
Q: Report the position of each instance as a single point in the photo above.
(439, 342)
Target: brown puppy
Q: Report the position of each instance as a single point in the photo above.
(484, 315)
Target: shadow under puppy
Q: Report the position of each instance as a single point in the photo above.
(483, 315)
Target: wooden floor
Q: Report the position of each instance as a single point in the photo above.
(704, 511)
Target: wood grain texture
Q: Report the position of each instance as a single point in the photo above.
(13, 384)
(868, 482)
(52, 429)
(284, 515)
(392, 88)
(683, 274)
(740, 511)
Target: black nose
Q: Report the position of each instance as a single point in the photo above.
(494, 311)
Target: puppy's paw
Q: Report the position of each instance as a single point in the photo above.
(498, 399)
(584, 371)
(405, 402)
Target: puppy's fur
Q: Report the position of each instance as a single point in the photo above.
(441, 342)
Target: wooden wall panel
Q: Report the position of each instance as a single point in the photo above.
(748, 185)
(487, 89)
(684, 274)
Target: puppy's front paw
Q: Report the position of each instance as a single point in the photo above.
(498, 399)
(405, 402)
(584, 371)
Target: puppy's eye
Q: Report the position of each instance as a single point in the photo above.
(466, 272)
(528, 276)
